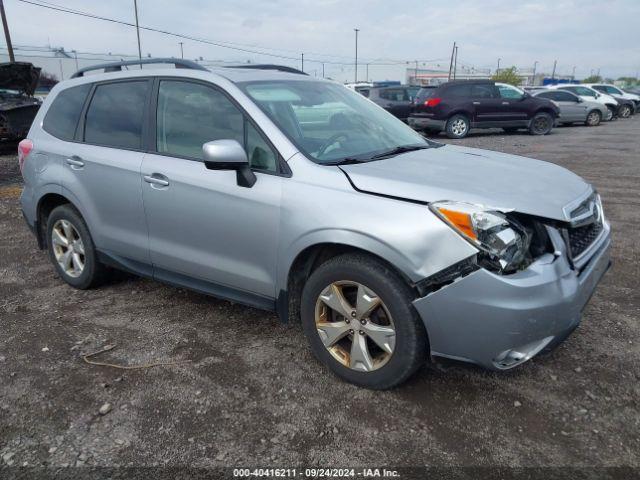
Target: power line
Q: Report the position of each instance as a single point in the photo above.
(228, 45)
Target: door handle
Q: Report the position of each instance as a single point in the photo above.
(476, 103)
(156, 181)
(505, 103)
(75, 162)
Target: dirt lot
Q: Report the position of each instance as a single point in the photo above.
(252, 394)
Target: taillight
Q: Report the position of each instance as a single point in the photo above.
(24, 148)
(432, 102)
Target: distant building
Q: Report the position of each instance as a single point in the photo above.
(425, 76)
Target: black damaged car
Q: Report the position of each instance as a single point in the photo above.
(18, 107)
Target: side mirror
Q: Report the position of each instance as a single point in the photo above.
(580, 100)
(229, 155)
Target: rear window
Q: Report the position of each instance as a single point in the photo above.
(62, 118)
(114, 117)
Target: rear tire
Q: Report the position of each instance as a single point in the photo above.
(457, 126)
(594, 117)
(624, 111)
(341, 278)
(71, 249)
(541, 124)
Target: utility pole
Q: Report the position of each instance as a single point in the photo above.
(367, 79)
(356, 74)
(455, 63)
(415, 74)
(453, 51)
(498, 69)
(553, 74)
(302, 61)
(135, 7)
(573, 73)
(12, 58)
(533, 77)
(75, 54)
(323, 70)
(181, 50)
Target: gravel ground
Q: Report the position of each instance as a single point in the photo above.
(249, 391)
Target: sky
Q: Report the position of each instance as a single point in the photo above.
(588, 35)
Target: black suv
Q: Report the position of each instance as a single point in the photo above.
(458, 106)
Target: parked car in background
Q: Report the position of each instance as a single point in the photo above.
(628, 103)
(18, 107)
(617, 93)
(456, 107)
(396, 100)
(573, 108)
(588, 93)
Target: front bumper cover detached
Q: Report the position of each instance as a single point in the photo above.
(501, 321)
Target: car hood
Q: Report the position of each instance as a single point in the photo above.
(22, 76)
(498, 180)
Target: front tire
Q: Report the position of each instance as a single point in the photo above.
(457, 126)
(541, 124)
(71, 249)
(357, 315)
(610, 114)
(594, 117)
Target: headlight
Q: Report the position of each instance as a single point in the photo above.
(503, 242)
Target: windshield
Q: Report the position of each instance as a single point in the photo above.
(330, 123)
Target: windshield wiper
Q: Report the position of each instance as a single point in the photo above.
(348, 161)
(398, 150)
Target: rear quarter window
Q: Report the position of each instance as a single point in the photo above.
(63, 115)
(458, 91)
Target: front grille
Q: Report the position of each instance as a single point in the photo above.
(580, 238)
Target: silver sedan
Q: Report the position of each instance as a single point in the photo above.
(575, 109)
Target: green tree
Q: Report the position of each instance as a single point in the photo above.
(592, 79)
(508, 75)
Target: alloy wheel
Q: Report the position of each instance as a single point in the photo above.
(625, 111)
(355, 326)
(459, 127)
(609, 114)
(68, 248)
(593, 118)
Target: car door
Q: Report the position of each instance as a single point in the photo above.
(572, 107)
(104, 167)
(203, 226)
(515, 104)
(393, 100)
(486, 104)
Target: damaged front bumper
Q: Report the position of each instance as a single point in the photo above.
(501, 321)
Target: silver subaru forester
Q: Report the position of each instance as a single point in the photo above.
(267, 187)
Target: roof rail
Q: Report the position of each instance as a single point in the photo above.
(280, 68)
(117, 66)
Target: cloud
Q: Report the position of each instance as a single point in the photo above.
(586, 34)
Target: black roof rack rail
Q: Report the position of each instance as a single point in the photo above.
(117, 66)
(280, 68)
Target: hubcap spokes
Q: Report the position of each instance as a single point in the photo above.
(459, 127)
(68, 248)
(355, 326)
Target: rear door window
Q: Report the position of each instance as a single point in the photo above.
(459, 91)
(115, 115)
(64, 113)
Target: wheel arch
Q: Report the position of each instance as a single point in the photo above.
(45, 206)
(308, 260)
